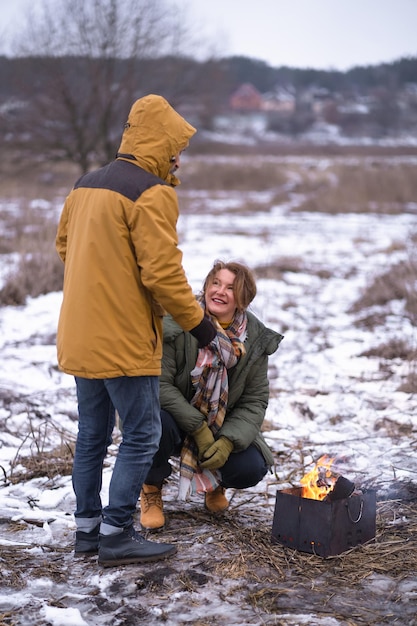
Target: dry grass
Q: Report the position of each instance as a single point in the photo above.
(30, 179)
(51, 463)
(294, 265)
(238, 174)
(378, 187)
(236, 550)
(36, 274)
(410, 384)
(39, 270)
(393, 551)
(348, 182)
(239, 563)
(231, 557)
(278, 578)
(397, 283)
(327, 185)
(200, 147)
(395, 348)
(34, 456)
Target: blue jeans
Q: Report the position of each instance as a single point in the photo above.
(242, 469)
(136, 400)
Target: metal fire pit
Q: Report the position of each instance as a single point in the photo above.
(323, 527)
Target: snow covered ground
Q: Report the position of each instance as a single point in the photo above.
(326, 398)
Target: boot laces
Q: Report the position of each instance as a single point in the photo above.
(152, 499)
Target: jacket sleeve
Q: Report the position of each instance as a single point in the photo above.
(153, 226)
(62, 231)
(171, 396)
(243, 423)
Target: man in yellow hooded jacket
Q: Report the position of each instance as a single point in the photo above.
(118, 240)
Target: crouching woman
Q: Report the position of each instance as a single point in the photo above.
(213, 399)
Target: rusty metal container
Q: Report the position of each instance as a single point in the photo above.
(325, 528)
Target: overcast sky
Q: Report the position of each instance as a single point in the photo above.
(300, 33)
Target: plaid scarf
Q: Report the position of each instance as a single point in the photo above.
(210, 381)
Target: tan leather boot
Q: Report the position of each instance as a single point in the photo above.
(151, 507)
(215, 501)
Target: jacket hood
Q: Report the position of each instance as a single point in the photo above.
(153, 134)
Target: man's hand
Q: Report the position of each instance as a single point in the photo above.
(204, 332)
(203, 438)
(217, 454)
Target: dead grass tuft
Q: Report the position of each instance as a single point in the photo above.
(295, 265)
(35, 457)
(36, 274)
(49, 464)
(385, 187)
(410, 384)
(238, 174)
(397, 283)
(39, 270)
(8, 619)
(393, 349)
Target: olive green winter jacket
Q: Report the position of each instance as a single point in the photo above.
(248, 384)
(117, 237)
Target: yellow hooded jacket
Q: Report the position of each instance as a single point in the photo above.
(117, 237)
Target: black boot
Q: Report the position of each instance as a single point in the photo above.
(87, 543)
(130, 547)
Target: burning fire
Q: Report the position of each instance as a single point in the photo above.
(320, 481)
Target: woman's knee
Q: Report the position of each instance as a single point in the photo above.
(171, 435)
(244, 469)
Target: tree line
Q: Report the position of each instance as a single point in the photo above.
(81, 64)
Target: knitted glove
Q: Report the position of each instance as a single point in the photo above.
(204, 332)
(203, 438)
(217, 455)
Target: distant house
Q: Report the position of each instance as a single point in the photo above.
(246, 98)
(280, 100)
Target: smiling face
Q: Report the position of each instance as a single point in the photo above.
(220, 297)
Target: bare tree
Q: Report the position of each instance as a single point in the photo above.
(91, 59)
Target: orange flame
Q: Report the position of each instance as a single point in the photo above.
(320, 481)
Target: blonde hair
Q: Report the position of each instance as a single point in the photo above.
(244, 286)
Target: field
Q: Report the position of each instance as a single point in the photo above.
(331, 236)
